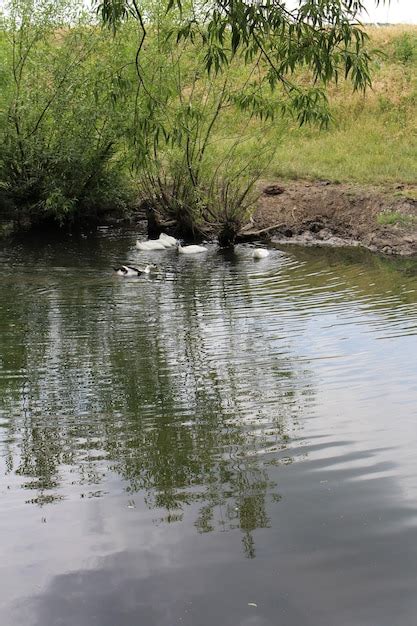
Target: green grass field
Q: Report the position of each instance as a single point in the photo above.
(373, 138)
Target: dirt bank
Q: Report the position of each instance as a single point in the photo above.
(324, 213)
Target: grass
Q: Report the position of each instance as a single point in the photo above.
(393, 218)
(408, 194)
(373, 138)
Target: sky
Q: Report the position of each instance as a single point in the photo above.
(399, 11)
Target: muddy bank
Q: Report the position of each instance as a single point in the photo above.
(324, 213)
(381, 219)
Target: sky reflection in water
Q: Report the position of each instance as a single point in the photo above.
(176, 449)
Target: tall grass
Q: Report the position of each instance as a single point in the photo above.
(373, 137)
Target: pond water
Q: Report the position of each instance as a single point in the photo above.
(229, 442)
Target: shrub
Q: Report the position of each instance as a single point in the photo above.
(60, 130)
(405, 48)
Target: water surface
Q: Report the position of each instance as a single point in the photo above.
(227, 442)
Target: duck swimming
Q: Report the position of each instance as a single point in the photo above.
(190, 249)
(151, 244)
(260, 253)
(127, 270)
(167, 240)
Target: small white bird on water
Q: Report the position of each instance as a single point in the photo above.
(167, 240)
(190, 249)
(151, 244)
(260, 253)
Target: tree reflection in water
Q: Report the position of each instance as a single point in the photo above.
(183, 387)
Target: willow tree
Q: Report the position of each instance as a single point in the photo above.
(294, 52)
(323, 36)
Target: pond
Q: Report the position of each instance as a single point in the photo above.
(227, 442)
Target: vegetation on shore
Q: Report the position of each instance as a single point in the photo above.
(61, 146)
(90, 122)
(373, 136)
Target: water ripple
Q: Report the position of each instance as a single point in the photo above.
(220, 386)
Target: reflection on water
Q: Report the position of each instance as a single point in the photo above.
(270, 403)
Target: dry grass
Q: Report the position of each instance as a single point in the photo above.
(373, 138)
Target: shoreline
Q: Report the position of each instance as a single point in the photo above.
(382, 219)
(324, 213)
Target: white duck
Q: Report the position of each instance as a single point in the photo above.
(260, 253)
(167, 240)
(190, 249)
(151, 244)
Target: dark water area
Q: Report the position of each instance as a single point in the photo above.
(229, 442)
